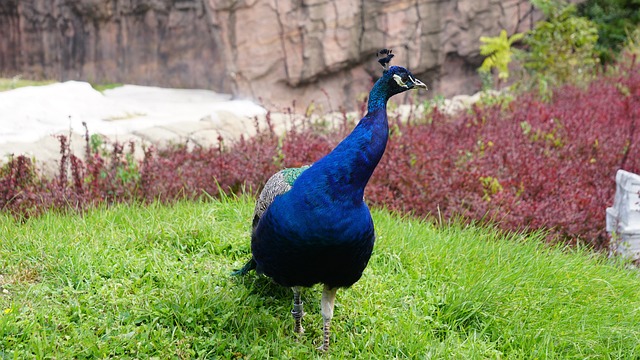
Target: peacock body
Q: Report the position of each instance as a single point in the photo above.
(311, 225)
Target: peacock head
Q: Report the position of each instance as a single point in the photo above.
(397, 78)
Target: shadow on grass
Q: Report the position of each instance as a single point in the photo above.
(261, 285)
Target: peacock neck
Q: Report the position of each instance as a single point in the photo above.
(379, 96)
(342, 175)
(348, 168)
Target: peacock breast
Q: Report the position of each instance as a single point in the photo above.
(298, 245)
(322, 219)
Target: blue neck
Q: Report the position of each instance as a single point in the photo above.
(341, 176)
(343, 173)
(379, 95)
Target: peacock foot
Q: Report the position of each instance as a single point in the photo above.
(325, 341)
(297, 314)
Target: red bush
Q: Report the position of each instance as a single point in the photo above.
(532, 165)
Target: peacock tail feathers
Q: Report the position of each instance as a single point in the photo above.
(250, 265)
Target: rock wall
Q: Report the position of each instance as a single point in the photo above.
(272, 51)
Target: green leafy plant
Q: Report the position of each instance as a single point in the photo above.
(127, 170)
(96, 141)
(632, 44)
(490, 187)
(615, 20)
(561, 49)
(498, 51)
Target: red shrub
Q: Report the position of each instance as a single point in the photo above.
(532, 165)
(178, 173)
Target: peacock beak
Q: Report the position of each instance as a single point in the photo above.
(418, 84)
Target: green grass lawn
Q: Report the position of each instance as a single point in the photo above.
(17, 82)
(153, 282)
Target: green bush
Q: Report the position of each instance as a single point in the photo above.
(561, 49)
(499, 53)
(615, 20)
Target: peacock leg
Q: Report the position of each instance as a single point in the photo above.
(297, 311)
(327, 303)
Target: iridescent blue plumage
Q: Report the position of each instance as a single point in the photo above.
(321, 230)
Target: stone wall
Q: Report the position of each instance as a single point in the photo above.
(272, 51)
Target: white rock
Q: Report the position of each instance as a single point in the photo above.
(623, 218)
(31, 113)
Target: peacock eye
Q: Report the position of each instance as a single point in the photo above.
(401, 80)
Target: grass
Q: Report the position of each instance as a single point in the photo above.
(106, 86)
(133, 281)
(17, 82)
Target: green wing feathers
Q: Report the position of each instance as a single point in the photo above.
(278, 184)
(291, 174)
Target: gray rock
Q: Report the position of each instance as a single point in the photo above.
(272, 51)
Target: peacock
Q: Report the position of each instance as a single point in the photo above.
(311, 224)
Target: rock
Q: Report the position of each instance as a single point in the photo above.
(233, 124)
(143, 116)
(160, 136)
(209, 138)
(47, 147)
(273, 51)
